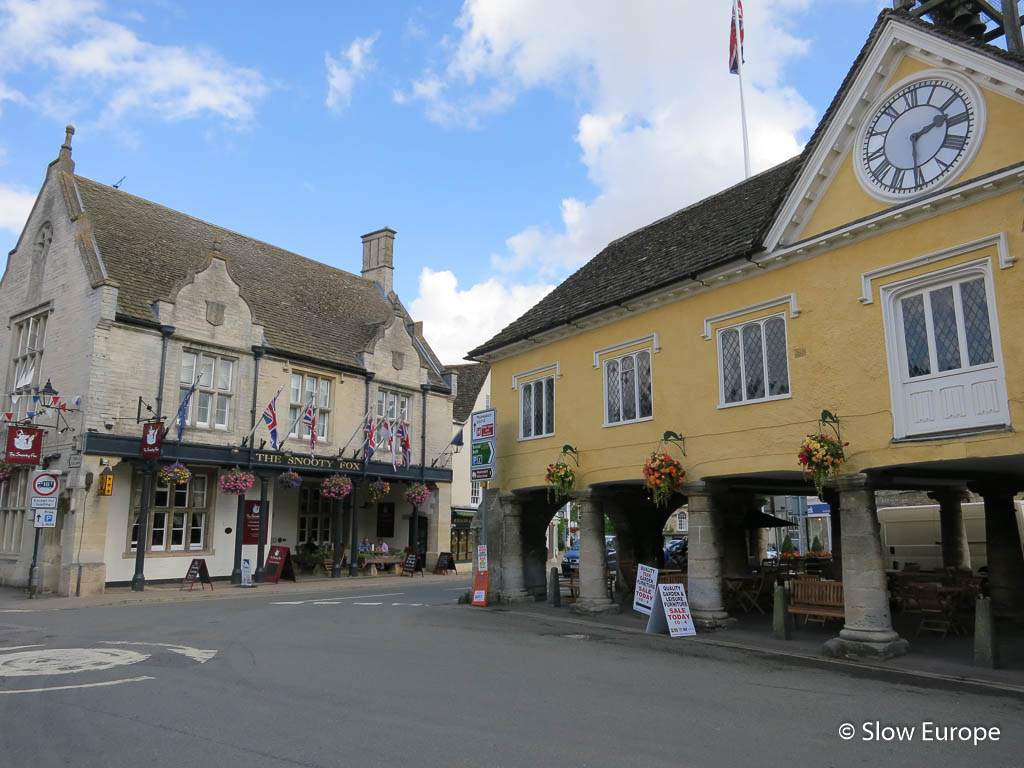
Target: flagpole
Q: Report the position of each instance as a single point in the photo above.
(260, 420)
(296, 421)
(362, 426)
(191, 391)
(738, 30)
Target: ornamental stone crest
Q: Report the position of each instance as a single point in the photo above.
(397, 360)
(215, 312)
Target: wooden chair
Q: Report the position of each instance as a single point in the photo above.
(753, 593)
(936, 611)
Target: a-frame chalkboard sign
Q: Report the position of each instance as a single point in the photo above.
(197, 571)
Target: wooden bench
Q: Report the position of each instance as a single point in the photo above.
(817, 600)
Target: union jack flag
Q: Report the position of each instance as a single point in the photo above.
(270, 418)
(402, 433)
(309, 420)
(736, 38)
(370, 438)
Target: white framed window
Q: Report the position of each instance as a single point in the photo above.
(178, 517)
(13, 511)
(210, 405)
(752, 362)
(537, 408)
(301, 387)
(474, 494)
(29, 335)
(627, 388)
(392, 407)
(945, 361)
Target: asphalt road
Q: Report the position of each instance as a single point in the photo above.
(400, 674)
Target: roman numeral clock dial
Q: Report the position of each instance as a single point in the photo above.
(918, 137)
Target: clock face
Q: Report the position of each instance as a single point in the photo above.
(917, 137)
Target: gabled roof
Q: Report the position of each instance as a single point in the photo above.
(718, 229)
(306, 308)
(728, 226)
(471, 378)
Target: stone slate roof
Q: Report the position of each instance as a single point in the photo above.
(306, 308)
(725, 227)
(471, 379)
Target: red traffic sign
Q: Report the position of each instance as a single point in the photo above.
(44, 484)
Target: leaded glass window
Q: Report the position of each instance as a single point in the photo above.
(627, 385)
(537, 407)
(947, 328)
(753, 361)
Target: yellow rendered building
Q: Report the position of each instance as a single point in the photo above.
(875, 276)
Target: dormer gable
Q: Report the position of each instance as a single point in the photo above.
(905, 65)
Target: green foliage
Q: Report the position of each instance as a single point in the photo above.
(816, 545)
(787, 545)
(609, 529)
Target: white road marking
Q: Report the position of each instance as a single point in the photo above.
(18, 610)
(19, 647)
(65, 661)
(367, 603)
(196, 654)
(289, 602)
(82, 685)
(325, 602)
(417, 604)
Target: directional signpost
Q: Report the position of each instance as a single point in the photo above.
(483, 468)
(43, 498)
(482, 448)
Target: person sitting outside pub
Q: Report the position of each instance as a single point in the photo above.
(382, 546)
(364, 546)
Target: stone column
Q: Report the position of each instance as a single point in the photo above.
(513, 581)
(705, 557)
(955, 552)
(868, 629)
(734, 542)
(593, 571)
(1002, 542)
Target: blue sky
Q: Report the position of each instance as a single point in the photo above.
(505, 142)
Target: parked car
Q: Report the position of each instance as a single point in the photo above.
(675, 553)
(571, 559)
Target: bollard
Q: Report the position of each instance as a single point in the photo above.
(782, 626)
(986, 646)
(554, 589)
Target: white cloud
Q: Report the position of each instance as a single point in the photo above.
(455, 321)
(659, 120)
(342, 76)
(92, 56)
(15, 206)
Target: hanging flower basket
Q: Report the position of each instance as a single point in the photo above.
(236, 482)
(417, 494)
(560, 479)
(822, 454)
(288, 479)
(662, 477)
(378, 489)
(560, 476)
(5, 471)
(336, 487)
(174, 474)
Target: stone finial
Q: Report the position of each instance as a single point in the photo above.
(65, 149)
(215, 249)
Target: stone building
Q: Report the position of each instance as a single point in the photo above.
(876, 276)
(131, 303)
(474, 382)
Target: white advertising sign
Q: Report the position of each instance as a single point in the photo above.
(671, 612)
(246, 572)
(483, 424)
(646, 584)
(481, 557)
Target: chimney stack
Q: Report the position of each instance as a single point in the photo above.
(379, 257)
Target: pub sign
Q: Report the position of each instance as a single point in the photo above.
(24, 445)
